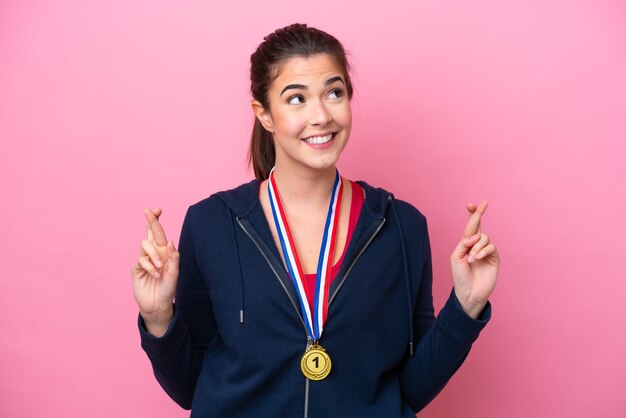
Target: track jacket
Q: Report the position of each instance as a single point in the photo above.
(234, 346)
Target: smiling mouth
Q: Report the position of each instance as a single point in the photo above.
(319, 140)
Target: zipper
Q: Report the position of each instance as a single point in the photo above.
(332, 297)
(343, 279)
(306, 397)
(309, 342)
(275, 273)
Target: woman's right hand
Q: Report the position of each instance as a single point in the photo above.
(155, 275)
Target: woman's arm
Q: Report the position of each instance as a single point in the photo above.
(177, 355)
(442, 343)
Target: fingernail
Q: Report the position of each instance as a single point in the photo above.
(159, 264)
(156, 274)
(470, 258)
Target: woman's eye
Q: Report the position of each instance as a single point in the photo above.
(337, 93)
(295, 99)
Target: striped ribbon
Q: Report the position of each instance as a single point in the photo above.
(314, 320)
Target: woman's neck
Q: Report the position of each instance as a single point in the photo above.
(304, 187)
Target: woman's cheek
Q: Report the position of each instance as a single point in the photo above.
(295, 127)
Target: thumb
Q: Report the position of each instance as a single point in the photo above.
(173, 261)
(170, 248)
(464, 246)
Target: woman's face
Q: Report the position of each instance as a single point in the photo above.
(309, 112)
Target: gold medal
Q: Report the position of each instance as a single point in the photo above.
(315, 363)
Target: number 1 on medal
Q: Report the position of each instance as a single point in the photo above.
(315, 363)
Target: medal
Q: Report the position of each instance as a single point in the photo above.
(315, 363)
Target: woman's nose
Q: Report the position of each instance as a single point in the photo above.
(319, 114)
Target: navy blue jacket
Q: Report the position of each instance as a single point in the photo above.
(234, 346)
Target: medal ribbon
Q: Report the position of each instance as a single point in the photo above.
(314, 321)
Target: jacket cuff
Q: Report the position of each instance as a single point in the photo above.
(165, 345)
(459, 324)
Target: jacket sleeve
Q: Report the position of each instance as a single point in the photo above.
(443, 343)
(176, 357)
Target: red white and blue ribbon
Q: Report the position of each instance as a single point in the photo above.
(314, 321)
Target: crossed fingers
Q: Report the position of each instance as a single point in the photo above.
(149, 247)
(476, 242)
(156, 234)
(475, 214)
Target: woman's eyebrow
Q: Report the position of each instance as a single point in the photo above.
(303, 87)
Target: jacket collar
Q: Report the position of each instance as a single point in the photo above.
(244, 198)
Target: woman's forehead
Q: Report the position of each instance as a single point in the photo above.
(314, 69)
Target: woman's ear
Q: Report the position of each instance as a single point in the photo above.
(263, 116)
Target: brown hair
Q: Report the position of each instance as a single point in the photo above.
(295, 40)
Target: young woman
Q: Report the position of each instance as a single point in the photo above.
(303, 293)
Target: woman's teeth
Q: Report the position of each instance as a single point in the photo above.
(317, 140)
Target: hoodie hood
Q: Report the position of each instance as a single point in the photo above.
(243, 199)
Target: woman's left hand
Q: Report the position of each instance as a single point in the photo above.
(475, 263)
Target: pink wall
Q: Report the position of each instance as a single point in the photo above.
(108, 107)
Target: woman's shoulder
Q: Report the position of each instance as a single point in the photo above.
(380, 200)
(239, 199)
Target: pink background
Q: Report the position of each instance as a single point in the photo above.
(108, 107)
